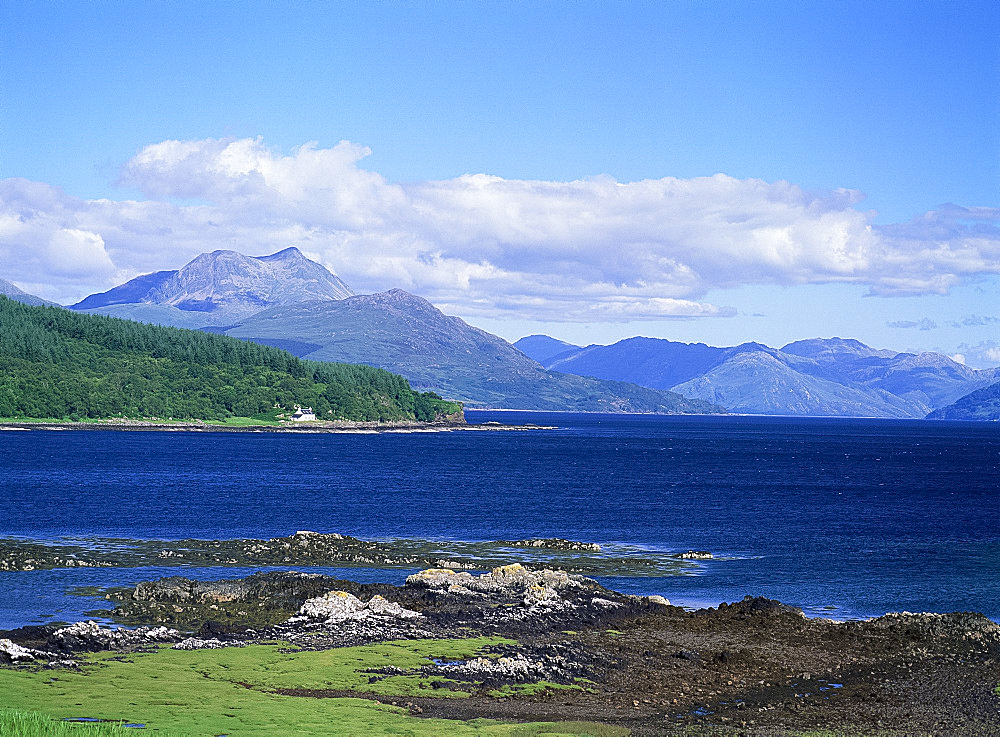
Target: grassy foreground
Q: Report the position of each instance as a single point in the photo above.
(33, 724)
(235, 691)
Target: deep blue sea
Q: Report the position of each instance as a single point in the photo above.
(845, 518)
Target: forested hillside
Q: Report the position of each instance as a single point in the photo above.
(58, 364)
(983, 404)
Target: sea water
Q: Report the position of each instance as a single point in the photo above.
(843, 517)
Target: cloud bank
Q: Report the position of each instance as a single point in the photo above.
(588, 250)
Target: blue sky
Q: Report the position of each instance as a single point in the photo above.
(897, 102)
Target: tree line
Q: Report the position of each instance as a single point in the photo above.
(55, 363)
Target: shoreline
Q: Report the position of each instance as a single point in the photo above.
(301, 428)
(536, 645)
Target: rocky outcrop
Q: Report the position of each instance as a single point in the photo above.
(753, 606)
(339, 606)
(13, 653)
(20, 555)
(260, 600)
(514, 580)
(552, 543)
(90, 636)
(200, 643)
(959, 625)
(695, 555)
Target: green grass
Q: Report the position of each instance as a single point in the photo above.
(244, 422)
(526, 689)
(33, 724)
(233, 691)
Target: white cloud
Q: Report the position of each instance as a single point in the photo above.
(958, 358)
(593, 249)
(984, 354)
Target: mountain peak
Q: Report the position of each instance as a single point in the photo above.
(229, 284)
(830, 347)
(289, 254)
(543, 348)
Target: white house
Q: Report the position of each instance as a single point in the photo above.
(303, 414)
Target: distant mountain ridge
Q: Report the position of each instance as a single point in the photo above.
(543, 348)
(816, 377)
(220, 287)
(19, 295)
(286, 300)
(443, 353)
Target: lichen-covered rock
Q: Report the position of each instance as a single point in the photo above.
(439, 578)
(657, 599)
(533, 588)
(91, 636)
(198, 643)
(13, 653)
(340, 606)
(517, 668)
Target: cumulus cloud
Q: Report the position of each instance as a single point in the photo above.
(923, 324)
(984, 354)
(593, 249)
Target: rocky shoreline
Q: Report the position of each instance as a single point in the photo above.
(313, 427)
(570, 649)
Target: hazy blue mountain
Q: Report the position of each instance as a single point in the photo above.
(219, 288)
(929, 379)
(835, 349)
(760, 382)
(435, 351)
(9, 290)
(982, 404)
(932, 378)
(651, 362)
(542, 348)
(134, 291)
(822, 376)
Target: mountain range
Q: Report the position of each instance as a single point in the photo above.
(818, 377)
(288, 301)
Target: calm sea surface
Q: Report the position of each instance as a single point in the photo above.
(845, 518)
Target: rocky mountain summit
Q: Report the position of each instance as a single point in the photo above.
(220, 287)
